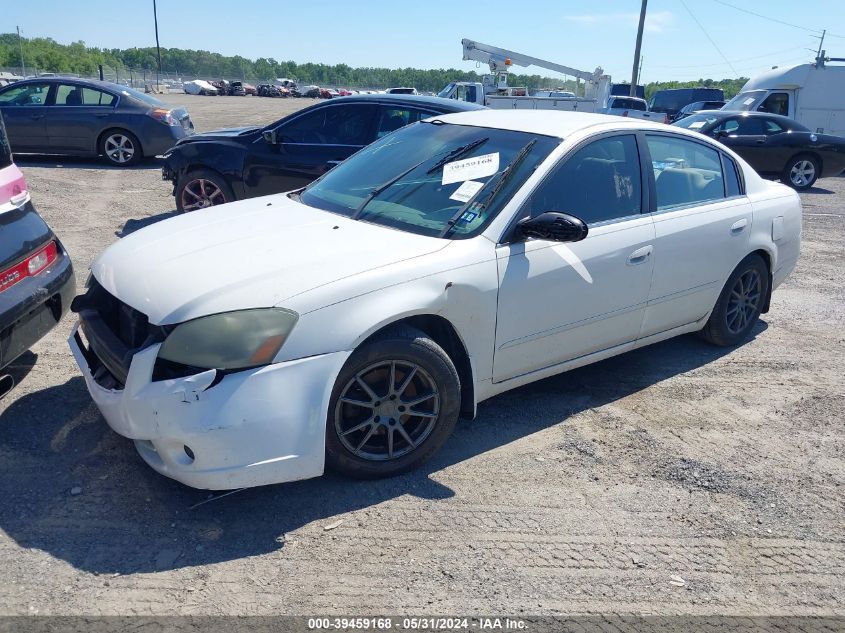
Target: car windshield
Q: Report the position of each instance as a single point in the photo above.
(696, 121)
(445, 92)
(432, 178)
(746, 101)
(148, 99)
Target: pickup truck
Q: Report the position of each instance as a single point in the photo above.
(632, 107)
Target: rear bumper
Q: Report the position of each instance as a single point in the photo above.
(251, 428)
(159, 138)
(33, 307)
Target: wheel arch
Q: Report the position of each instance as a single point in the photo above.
(766, 256)
(444, 333)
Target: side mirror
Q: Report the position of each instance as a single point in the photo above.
(271, 137)
(722, 134)
(554, 226)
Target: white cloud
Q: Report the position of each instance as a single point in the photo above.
(655, 22)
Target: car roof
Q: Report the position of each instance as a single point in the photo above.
(544, 122)
(450, 105)
(93, 83)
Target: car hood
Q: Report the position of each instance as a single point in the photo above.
(226, 133)
(249, 254)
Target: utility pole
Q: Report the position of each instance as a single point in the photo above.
(637, 48)
(819, 59)
(20, 44)
(158, 50)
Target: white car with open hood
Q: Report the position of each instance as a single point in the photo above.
(351, 323)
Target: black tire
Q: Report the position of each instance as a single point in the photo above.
(801, 172)
(202, 188)
(383, 425)
(735, 314)
(120, 148)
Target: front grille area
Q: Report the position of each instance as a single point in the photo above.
(115, 333)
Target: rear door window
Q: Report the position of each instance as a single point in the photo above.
(685, 172)
(390, 119)
(75, 95)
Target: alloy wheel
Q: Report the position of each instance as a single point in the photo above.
(744, 301)
(119, 148)
(201, 193)
(802, 173)
(387, 410)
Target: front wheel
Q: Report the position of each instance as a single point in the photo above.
(200, 189)
(394, 404)
(121, 148)
(740, 304)
(801, 172)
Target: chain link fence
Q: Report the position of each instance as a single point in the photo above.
(148, 80)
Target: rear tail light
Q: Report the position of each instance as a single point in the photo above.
(29, 267)
(666, 118)
(625, 113)
(163, 116)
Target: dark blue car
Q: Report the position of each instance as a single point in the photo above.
(82, 117)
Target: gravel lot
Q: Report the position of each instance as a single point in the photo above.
(584, 493)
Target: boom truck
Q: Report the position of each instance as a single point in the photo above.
(494, 92)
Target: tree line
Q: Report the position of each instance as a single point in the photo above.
(47, 55)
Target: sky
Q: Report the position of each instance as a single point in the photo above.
(683, 39)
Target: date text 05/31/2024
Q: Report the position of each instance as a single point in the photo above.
(416, 624)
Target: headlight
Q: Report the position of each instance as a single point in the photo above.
(231, 340)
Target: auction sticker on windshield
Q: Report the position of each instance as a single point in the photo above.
(470, 168)
(466, 191)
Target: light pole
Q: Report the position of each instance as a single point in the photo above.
(634, 74)
(158, 50)
(20, 43)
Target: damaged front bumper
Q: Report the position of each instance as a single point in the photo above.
(250, 428)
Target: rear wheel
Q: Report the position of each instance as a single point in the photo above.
(738, 307)
(394, 404)
(801, 172)
(120, 147)
(200, 189)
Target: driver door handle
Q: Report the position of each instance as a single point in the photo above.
(640, 255)
(35, 117)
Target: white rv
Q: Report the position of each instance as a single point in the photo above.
(812, 94)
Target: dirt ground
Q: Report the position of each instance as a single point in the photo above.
(585, 493)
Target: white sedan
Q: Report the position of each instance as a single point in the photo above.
(350, 324)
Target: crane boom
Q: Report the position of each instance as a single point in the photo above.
(497, 59)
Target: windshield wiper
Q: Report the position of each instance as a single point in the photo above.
(457, 152)
(504, 176)
(382, 187)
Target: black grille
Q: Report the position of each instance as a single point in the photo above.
(115, 333)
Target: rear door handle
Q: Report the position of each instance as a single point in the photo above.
(35, 117)
(640, 255)
(739, 226)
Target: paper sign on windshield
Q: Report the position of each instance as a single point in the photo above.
(697, 124)
(469, 168)
(466, 191)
